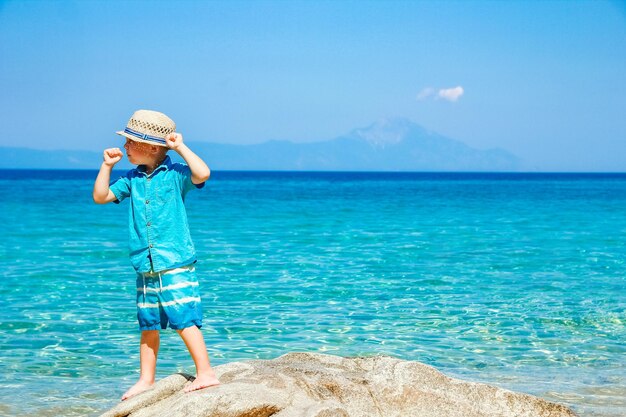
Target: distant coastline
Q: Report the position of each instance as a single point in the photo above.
(387, 145)
(453, 175)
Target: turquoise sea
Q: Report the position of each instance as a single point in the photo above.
(512, 279)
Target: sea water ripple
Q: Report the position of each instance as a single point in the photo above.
(512, 280)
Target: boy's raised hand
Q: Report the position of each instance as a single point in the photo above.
(112, 156)
(174, 140)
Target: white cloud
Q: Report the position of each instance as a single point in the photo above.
(425, 93)
(451, 94)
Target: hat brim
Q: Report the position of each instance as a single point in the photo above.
(136, 139)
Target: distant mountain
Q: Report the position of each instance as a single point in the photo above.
(25, 158)
(387, 145)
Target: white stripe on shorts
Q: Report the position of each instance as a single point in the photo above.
(189, 268)
(170, 287)
(170, 303)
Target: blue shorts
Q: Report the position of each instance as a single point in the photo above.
(169, 297)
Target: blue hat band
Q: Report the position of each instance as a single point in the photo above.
(143, 136)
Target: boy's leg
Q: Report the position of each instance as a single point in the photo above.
(148, 351)
(205, 377)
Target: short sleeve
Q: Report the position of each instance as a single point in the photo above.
(184, 174)
(121, 188)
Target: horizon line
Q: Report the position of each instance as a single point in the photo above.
(346, 171)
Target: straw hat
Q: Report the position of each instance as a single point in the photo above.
(148, 126)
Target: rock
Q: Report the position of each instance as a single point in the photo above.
(316, 385)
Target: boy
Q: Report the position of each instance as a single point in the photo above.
(161, 249)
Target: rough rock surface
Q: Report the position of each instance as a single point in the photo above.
(316, 385)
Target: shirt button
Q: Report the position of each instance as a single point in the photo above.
(151, 245)
(147, 201)
(149, 223)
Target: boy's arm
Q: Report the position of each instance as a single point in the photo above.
(101, 192)
(200, 172)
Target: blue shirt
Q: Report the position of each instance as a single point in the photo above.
(157, 221)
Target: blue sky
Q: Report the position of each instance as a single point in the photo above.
(544, 80)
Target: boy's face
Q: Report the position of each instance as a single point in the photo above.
(140, 153)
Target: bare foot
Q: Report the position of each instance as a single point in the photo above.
(138, 388)
(203, 381)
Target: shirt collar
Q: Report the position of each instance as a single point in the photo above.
(165, 165)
